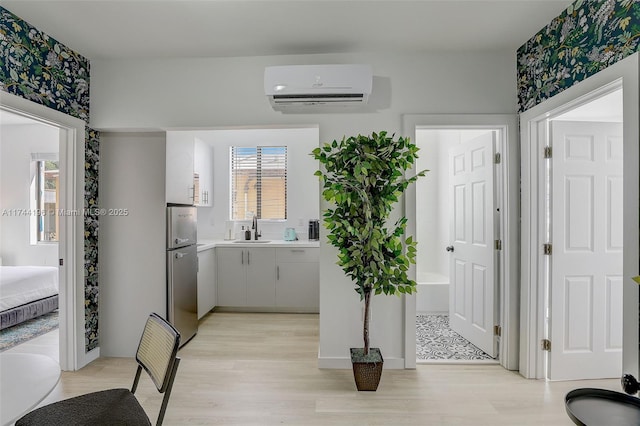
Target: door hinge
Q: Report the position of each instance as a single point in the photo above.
(498, 244)
(61, 262)
(547, 152)
(497, 158)
(546, 345)
(497, 330)
(547, 249)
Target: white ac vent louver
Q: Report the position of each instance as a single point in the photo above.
(292, 87)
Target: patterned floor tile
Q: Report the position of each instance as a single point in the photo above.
(436, 341)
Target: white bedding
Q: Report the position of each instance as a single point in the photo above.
(24, 284)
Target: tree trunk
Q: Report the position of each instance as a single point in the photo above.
(365, 330)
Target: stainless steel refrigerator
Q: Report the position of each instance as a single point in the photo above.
(182, 271)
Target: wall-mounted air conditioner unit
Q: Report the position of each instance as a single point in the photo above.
(294, 86)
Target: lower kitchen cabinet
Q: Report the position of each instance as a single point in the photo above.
(246, 276)
(298, 278)
(206, 281)
(261, 280)
(286, 279)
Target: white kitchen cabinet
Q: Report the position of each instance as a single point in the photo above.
(206, 281)
(179, 188)
(203, 169)
(261, 283)
(298, 278)
(232, 277)
(246, 277)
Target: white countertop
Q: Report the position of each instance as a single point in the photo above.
(209, 244)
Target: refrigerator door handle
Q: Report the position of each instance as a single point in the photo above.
(179, 255)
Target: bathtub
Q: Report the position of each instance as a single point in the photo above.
(433, 293)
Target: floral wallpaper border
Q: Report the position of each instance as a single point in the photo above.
(587, 37)
(91, 226)
(36, 67)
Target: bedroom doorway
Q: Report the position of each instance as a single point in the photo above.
(29, 234)
(70, 253)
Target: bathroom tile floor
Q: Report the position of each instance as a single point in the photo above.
(435, 341)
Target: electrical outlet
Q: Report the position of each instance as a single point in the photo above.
(300, 221)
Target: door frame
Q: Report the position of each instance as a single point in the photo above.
(533, 137)
(71, 247)
(507, 190)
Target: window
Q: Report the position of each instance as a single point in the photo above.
(47, 198)
(258, 182)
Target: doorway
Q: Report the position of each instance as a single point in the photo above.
(455, 269)
(463, 217)
(72, 354)
(538, 270)
(584, 174)
(582, 267)
(30, 194)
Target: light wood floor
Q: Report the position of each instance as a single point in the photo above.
(261, 369)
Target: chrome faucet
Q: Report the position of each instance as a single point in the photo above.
(254, 226)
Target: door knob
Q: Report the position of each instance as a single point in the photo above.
(450, 248)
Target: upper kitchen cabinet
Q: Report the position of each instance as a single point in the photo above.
(203, 173)
(180, 184)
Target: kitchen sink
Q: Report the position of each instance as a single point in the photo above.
(252, 241)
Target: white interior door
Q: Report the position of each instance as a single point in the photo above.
(586, 260)
(471, 270)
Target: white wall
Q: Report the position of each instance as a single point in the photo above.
(302, 186)
(17, 143)
(132, 247)
(209, 92)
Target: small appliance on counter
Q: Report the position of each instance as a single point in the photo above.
(290, 234)
(314, 230)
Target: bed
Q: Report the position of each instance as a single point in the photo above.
(26, 292)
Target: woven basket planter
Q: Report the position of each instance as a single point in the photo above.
(367, 373)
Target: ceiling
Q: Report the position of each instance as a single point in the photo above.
(605, 108)
(100, 29)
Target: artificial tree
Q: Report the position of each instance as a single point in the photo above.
(362, 177)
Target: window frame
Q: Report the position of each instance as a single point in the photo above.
(259, 176)
(38, 208)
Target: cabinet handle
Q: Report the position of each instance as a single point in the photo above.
(278, 272)
(242, 252)
(248, 258)
(297, 251)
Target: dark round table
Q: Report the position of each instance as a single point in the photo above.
(601, 407)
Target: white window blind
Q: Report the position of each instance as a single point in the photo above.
(258, 182)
